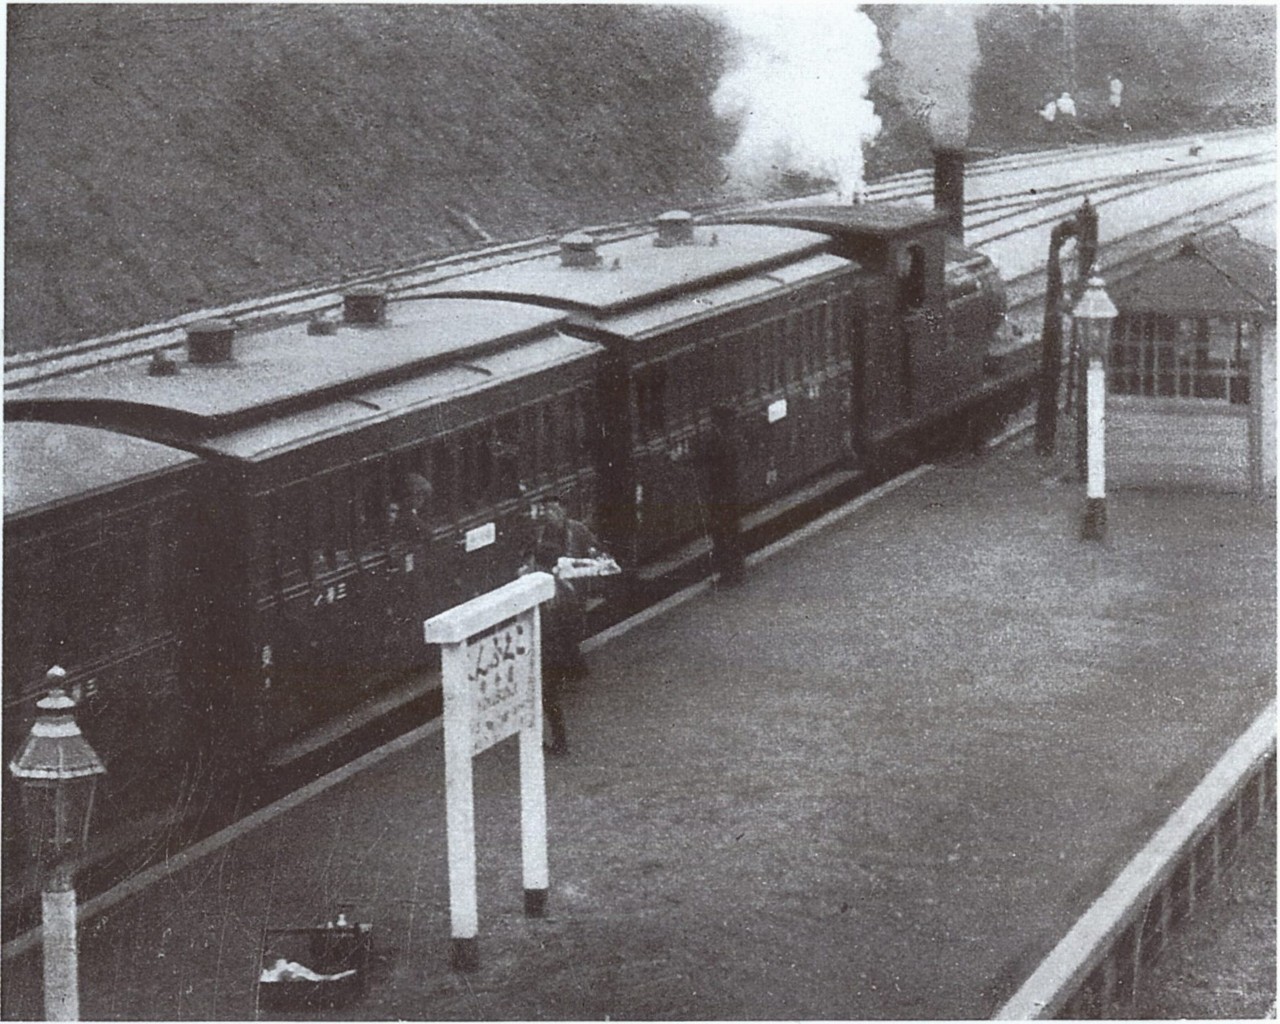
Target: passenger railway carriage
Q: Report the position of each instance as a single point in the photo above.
(314, 558)
(758, 318)
(244, 539)
(96, 579)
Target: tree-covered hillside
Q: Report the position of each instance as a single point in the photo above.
(162, 159)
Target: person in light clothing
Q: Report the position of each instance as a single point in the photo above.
(1117, 93)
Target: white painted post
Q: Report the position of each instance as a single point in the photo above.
(533, 810)
(460, 814)
(492, 670)
(1095, 505)
(1094, 314)
(61, 967)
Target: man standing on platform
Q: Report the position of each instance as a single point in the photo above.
(563, 617)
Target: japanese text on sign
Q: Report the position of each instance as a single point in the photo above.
(500, 681)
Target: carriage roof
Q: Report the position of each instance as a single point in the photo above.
(633, 271)
(286, 368)
(47, 464)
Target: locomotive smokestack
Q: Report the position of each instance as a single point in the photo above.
(948, 187)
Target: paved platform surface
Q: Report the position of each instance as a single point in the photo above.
(879, 780)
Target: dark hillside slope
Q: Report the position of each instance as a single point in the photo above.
(186, 156)
(168, 158)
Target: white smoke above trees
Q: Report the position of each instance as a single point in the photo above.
(797, 89)
(933, 51)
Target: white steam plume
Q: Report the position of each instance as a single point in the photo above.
(797, 88)
(933, 51)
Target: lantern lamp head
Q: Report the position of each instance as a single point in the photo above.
(58, 771)
(1094, 313)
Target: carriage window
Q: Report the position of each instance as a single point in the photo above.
(582, 409)
(504, 442)
(442, 478)
(798, 345)
(651, 400)
(835, 322)
(291, 532)
(344, 535)
(322, 523)
(371, 501)
(911, 268)
(552, 436)
(128, 593)
(531, 449)
(680, 368)
(482, 461)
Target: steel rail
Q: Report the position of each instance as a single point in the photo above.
(31, 366)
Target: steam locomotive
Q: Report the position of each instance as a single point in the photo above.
(233, 550)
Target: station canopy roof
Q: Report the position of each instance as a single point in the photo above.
(1213, 274)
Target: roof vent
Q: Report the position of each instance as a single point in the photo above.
(209, 341)
(161, 365)
(579, 250)
(675, 227)
(322, 325)
(364, 304)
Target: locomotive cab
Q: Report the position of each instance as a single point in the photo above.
(911, 354)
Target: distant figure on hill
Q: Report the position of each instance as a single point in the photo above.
(1066, 105)
(1050, 110)
(1117, 92)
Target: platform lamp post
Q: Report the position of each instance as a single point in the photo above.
(1092, 318)
(58, 773)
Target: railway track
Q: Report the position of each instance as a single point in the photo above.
(1045, 206)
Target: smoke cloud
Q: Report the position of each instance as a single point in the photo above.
(797, 89)
(933, 51)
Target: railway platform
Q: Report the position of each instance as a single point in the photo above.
(879, 780)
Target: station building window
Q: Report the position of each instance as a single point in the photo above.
(1188, 357)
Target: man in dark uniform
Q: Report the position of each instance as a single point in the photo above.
(563, 617)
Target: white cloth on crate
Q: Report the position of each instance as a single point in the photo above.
(291, 970)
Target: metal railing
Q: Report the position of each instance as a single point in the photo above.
(1100, 963)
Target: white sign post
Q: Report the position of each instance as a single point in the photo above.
(492, 690)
